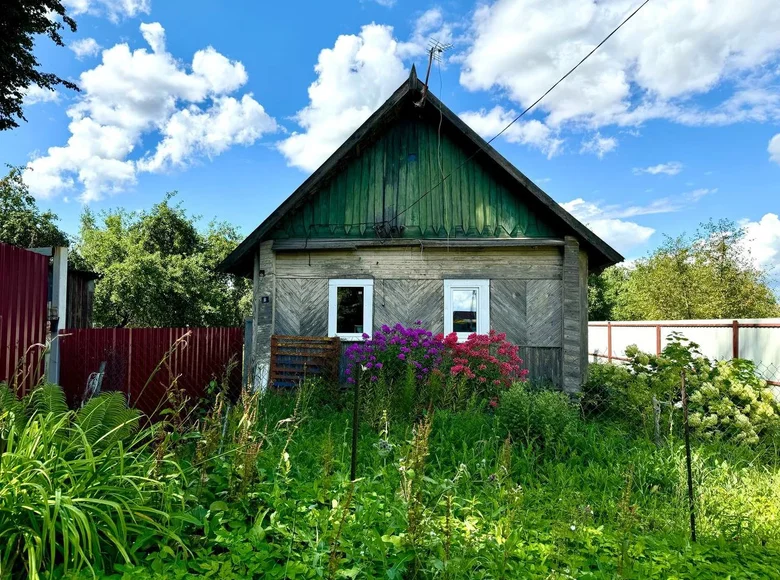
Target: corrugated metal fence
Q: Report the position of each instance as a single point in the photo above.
(755, 339)
(144, 363)
(24, 283)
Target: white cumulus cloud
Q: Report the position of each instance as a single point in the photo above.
(354, 78)
(599, 145)
(533, 133)
(762, 239)
(774, 149)
(670, 168)
(624, 235)
(35, 94)
(135, 94)
(113, 9)
(84, 47)
(669, 52)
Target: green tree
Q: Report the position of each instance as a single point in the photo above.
(21, 222)
(158, 269)
(606, 292)
(708, 275)
(20, 22)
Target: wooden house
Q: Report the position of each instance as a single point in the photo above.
(416, 217)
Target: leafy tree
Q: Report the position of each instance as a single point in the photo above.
(605, 293)
(21, 222)
(20, 22)
(159, 269)
(708, 275)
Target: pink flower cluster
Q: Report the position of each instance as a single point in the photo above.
(486, 358)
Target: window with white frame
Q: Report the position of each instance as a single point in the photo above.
(350, 308)
(466, 307)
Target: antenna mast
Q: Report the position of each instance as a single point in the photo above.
(435, 51)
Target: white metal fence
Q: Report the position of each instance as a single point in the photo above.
(755, 339)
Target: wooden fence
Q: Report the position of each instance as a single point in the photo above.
(24, 283)
(754, 339)
(144, 363)
(293, 358)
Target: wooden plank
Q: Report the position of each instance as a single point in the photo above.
(407, 301)
(423, 264)
(508, 309)
(293, 359)
(299, 244)
(571, 361)
(544, 309)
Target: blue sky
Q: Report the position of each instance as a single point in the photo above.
(674, 121)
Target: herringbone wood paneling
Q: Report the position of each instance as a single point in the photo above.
(544, 311)
(301, 307)
(508, 309)
(407, 301)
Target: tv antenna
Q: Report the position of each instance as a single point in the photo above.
(435, 51)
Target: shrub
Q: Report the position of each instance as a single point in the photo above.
(540, 417)
(485, 364)
(736, 403)
(76, 489)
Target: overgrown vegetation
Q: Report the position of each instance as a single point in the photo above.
(537, 485)
(708, 275)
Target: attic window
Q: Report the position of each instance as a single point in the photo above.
(350, 308)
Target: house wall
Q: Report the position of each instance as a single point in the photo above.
(532, 298)
(382, 185)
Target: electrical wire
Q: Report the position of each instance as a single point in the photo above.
(527, 109)
(497, 135)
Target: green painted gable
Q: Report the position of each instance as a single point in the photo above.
(399, 165)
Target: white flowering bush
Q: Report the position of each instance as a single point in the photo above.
(734, 403)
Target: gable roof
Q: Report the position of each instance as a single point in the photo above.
(240, 260)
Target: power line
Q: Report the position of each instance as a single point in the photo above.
(531, 106)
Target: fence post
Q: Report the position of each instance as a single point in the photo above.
(247, 352)
(658, 340)
(59, 303)
(688, 456)
(609, 341)
(735, 339)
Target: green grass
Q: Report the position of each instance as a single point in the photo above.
(594, 501)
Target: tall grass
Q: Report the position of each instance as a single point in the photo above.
(78, 489)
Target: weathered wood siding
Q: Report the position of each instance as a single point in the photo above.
(526, 290)
(428, 264)
(392, 173)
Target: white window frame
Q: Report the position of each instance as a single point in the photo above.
(368, 307)
(483, 305)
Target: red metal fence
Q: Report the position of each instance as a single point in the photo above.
(144, 363)
(24, 283)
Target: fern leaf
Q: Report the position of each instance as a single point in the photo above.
(106, 418)
(45, 399)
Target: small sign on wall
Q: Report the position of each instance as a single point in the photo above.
(265, 299)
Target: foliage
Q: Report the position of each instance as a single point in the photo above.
(158, 269)
(708, 275)
(727, 398)
(734, 403)
(22, 21)
(404, 370)
(487, 363)
(21, 222)
(267, 494)
(78, 489)
(606, 293)
(537, 417)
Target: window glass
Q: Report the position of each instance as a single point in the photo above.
(464, 310)
(349, 310)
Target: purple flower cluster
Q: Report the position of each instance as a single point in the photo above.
(392, 349)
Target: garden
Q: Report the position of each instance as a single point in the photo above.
(465, 469)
